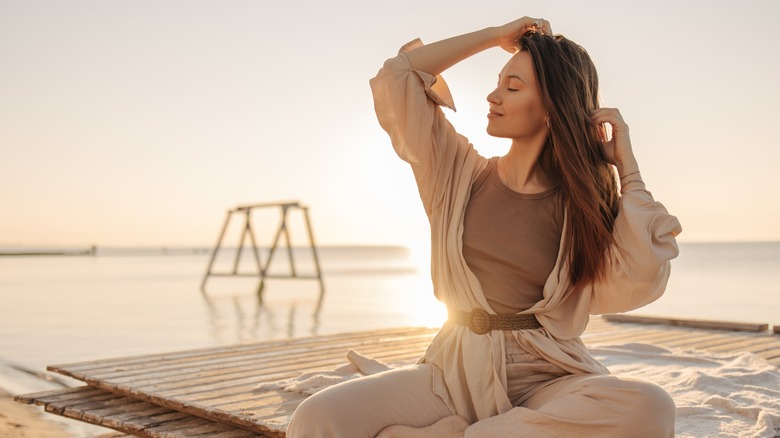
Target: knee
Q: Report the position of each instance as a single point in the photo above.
(311, 418)
(652, 409)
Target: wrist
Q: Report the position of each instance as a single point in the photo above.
(493, 35)
(627, 166)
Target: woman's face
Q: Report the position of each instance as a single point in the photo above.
(516, 109)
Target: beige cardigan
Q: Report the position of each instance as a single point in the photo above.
(471, 368)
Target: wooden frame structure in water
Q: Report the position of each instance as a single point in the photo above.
(262, 268)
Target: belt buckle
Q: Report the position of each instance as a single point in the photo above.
(479, 321)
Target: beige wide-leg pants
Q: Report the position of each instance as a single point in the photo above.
(549, 403)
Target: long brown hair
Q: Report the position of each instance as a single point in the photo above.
(573, 154)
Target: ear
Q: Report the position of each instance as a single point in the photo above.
(547, 120)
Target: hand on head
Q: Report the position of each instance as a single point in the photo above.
(510, 33)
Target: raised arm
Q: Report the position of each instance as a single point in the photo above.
(439, 56)
(644, 230)
(407, 94)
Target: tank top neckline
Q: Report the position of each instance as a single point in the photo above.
(491, 173)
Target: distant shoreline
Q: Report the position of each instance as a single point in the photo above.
(84, 252)
(54, 251)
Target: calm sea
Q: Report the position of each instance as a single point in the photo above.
(59, 309)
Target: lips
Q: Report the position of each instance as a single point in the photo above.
(493, 113)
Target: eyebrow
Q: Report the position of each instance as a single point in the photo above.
(513, 77)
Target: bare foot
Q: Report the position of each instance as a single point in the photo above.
(448, 427)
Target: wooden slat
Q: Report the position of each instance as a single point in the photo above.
(772, 354)
(40, 398)
(160, 372)
(692, 323)
(693, 337)
(260, 348)
(753, 344)
(638, 334)
(130, 416)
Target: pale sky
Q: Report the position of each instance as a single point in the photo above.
(141, 122)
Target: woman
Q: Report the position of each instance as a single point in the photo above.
(524, 248)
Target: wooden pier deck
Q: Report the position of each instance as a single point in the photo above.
(213, 392)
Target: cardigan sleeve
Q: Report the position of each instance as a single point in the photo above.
(639, 262)
(408, 105)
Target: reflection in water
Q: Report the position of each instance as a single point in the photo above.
(248, 318)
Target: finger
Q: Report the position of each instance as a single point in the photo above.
(602, 131)
(608, 115)
(536, 24)
(546, 28)
(615, 123)
(605, 110)
(540, 25)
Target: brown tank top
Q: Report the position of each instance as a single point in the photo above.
(510, 240)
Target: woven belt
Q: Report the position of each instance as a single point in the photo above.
(481, 322)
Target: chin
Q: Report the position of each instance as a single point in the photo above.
(497, 133)
(512, 132)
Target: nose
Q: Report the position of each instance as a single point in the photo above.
(494, 97)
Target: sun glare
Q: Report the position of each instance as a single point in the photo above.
(424, 308)
(428, 312)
